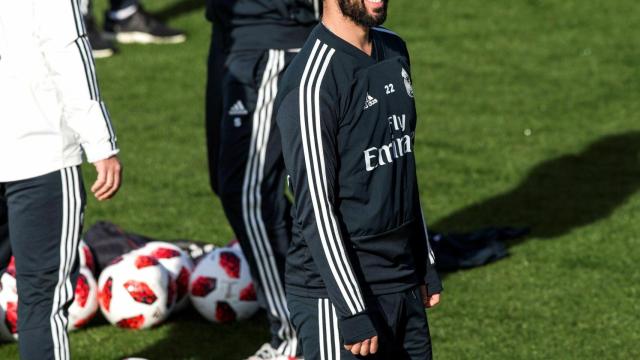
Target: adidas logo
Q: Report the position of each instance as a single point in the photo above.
(238, 109)
(370, 101)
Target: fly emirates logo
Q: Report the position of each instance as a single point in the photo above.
(397, 148)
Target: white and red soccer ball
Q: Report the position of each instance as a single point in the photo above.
(177, 262)
(8, 307)
(136, 292)
(221, 288)
(85, 302)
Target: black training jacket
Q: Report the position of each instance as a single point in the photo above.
(263, 24)
(347, 122)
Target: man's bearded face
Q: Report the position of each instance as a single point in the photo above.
(367, 13)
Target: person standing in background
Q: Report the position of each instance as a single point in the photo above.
(51, 112)
(360, 271)
(126, 22)
(253, 41)
(101, 46)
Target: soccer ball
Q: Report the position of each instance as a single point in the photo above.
(85, 303)
(8, 307)
(177, 262)
(86, 257)
(136, 292)
(221, 288)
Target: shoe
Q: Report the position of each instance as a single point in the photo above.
(267, 352)
(100, 46)
(142, 28)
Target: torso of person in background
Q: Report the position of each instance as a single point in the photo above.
(264, 24)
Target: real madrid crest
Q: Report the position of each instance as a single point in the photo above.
(407, 82)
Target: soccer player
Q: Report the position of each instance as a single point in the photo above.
(253, 41)
(360, 271)
(50, 113)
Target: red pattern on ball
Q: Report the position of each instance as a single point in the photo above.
(82, 290)
(105, 294)
(230, 263)
(131, 323)
(248, 293)
(224, 313)
(140, 292)
(11, 317)
(143, 261)
(165, 253)
(203, 286)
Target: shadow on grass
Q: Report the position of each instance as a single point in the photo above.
(177, 9)
(561, 194)
(193, 337)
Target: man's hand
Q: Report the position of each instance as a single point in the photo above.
(364, 347)
(108, 181)
(429, 301)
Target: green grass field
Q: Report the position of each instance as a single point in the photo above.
(486, 72)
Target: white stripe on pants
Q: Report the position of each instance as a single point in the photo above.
(252, 203)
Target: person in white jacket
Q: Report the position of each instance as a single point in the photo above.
(51, 113)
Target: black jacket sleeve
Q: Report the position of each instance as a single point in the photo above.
(308, 123)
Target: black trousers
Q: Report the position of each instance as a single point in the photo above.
(399, 318)
(40, 224)
(247, 171)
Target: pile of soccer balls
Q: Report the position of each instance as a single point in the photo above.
(81, 311)
(143, 287)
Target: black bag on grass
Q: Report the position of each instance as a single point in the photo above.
(456, 251)
(107, 241)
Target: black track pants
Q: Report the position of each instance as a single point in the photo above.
(213, 104)
(247, 172)
(40, 223)
(399, 318)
